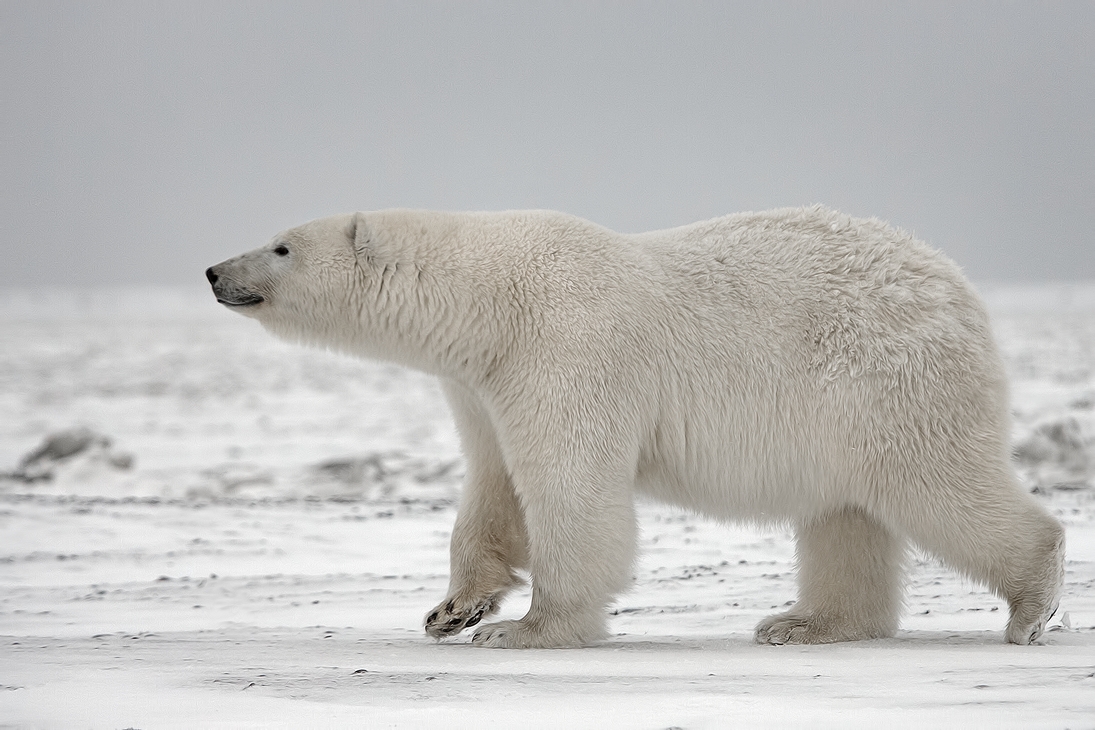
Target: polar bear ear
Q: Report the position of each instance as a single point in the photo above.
(358, 233)
(370, 243)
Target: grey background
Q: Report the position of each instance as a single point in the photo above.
(141, 142)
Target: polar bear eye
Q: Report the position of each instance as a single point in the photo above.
(282, 251)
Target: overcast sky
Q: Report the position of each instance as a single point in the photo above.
(141, 142)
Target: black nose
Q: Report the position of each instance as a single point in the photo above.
(210, 275)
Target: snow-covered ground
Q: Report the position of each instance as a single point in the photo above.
(249, 534)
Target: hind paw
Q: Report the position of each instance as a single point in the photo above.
(799, 627)
(1027, 632)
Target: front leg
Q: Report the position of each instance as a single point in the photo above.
(489, 543)
(574, 479)
(487, 548)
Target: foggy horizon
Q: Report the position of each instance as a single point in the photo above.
(142, 142)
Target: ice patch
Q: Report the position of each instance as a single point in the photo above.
(79, 452)
(1056, 454)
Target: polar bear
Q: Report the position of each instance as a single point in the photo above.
(791, 366)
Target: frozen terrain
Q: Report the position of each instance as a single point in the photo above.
(248, 534)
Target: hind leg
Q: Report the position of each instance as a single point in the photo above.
(850, 576)
(997, 535)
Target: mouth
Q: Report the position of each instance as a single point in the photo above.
(243, 300)
(230, 292)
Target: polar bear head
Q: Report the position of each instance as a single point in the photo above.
(388, 285)
(296, 285)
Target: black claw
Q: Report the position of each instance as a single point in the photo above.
(478, 615)
(431, 618)
(449, 607)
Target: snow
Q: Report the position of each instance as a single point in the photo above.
(267, 558)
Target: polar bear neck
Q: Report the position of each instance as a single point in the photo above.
(448, 293)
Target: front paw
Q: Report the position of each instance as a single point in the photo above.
(520, 635)
(456, 614)
(788, 628)
(499, 635)
(529, 633)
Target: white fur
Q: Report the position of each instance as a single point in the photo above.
(795, 365)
